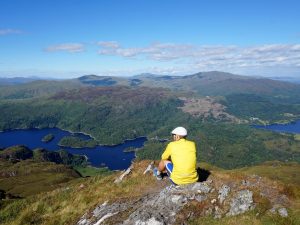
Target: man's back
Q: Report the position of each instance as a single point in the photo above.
(183, 156)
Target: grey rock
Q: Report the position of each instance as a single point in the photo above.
(273, 210)
(149, 168)
(241, 203)
(199, 187)
(83, 220)
(200, 198)
(161, 207)
(105, 217)
(281, 200)
(209, 211)
(102, 212)
(209, 181)
(151, 221)
(223, 193)
(217, 212)
(283, 212)
(120, 178)
(176, 199)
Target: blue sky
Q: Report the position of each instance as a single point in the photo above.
(70, 38)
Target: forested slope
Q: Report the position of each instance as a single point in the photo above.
(113, 114)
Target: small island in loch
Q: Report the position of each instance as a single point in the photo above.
(77, 142)
(47, 138)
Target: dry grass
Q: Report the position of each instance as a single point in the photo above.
(27, 177)
(66, 205)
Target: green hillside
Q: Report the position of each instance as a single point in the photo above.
(245, 97)
(113, 114)
(110, 114)
(31, 177)
(231, 146)
(20, 152)
(268, 109)
(25, 172)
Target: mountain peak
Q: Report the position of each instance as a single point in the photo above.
(89, 76)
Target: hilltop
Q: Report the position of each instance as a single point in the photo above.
(204, 83)
(249, 195)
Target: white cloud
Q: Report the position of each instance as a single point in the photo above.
(211, 57)
(9, 31)
(182, 59)
(108, 44)
(66, 47)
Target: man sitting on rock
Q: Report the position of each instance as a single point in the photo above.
(179, 159)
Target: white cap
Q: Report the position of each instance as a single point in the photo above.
(181, 131)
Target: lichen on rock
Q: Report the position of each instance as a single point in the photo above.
(241, 203)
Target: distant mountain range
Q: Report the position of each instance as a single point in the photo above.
(213, 83)
(288, 79)
(203, 83)
(17, 80)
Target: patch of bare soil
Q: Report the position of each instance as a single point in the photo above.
(206, 107)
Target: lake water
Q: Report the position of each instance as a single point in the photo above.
(113, 157)
(287, 128)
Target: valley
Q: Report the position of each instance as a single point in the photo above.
(109, 115)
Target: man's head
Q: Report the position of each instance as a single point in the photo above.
(179, 133)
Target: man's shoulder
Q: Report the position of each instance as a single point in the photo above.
(179, 142)
(191, 143)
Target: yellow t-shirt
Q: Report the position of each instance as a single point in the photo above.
(183, 156)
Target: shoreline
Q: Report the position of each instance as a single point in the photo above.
(91, 136)
(272, 129)
(79, 132)
(68, 132)
(278, 123)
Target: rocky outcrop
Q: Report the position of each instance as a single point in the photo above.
(216, 197)
(163, 207)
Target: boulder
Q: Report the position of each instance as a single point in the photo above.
(241, 203)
